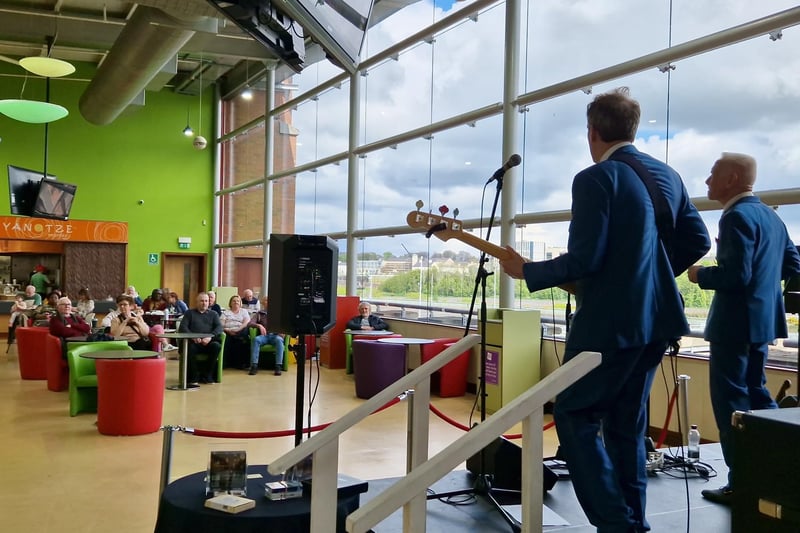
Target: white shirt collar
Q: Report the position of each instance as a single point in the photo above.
(613, 149)
(735, 199)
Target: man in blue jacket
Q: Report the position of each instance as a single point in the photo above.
(754, 253)
(629, 309)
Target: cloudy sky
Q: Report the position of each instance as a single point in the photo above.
(742, 98)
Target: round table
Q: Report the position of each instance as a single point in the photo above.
(121, 354)
(181, 508)
(184, 354)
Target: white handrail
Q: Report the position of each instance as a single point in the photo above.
(324, 446)
(526, 408)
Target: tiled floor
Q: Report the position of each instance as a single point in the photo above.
(61, 475)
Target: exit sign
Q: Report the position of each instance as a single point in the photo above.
(184, 245)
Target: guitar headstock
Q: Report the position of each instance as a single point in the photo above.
(443, 227)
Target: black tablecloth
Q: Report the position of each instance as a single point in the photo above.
(181, 508)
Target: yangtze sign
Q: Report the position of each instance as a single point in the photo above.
(44, 229)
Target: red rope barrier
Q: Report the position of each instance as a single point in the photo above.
(320, 427)
(271, 434)
(462, 427)
(663, 436)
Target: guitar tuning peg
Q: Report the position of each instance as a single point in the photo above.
(443, 210)
(455, 213)
(419, 204)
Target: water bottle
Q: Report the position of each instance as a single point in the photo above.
(693, 454)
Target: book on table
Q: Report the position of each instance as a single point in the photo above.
(227, 473)
(230, 503)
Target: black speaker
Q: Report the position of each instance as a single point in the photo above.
(791, 293)
(503, 460)
(302, 284)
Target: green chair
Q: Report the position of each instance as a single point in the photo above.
(83, 377)
(270, 349)
(220, 358)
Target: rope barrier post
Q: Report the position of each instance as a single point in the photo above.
(166, 458)
(683, 407)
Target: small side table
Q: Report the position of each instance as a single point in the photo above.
(184, 354)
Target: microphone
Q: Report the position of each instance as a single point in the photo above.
(513, 161)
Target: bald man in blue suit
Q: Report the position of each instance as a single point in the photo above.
(629, 309)
(754, 253)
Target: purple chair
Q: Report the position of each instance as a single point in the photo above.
(376, 365)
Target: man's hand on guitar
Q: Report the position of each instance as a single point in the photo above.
(512, 265)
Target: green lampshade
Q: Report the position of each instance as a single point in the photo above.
(32, 111)
(46, 66)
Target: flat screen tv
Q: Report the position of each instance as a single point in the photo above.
(54, 199)
(23, 186)
(338, 26)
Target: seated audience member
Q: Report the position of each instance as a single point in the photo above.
(127, 323)
(32, 298)
(259, 321)
(235, 323)
(131, 291)
(366, 320)
(249, 301)
(43, 313)
(64, 323)
(154, 302)
(85, 303)
(202, 320)
(175, 305)
(18, 312)
(212, 303)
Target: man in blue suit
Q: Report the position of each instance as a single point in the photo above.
(629, 309)
(754, 253)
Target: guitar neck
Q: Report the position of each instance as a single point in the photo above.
(482, 245)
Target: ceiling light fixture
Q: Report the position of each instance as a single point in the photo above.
(188, 131)
(47, 67)
(32, 111)
(247, 93)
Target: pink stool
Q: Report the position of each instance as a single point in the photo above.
(130, 395)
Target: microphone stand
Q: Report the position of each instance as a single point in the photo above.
(483, 482)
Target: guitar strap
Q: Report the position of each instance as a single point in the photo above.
(664, 223)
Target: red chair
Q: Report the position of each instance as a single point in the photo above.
(130, 395)
(56, 366)
(451, 379)
(31, 352)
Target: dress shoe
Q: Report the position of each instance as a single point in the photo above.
(278, 370)
(723, 495)
(253, 370)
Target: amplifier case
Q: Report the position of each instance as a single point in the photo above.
(766, 470)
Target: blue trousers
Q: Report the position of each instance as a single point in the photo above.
(736, 383)
(261, 340)
(601, 422)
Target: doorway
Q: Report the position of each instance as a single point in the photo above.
(184, 274)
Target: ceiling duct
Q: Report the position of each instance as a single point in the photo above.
(149, 40)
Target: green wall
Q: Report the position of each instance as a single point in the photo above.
(142, 155)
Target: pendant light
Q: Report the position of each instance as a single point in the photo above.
(200, 142)
(35, 111)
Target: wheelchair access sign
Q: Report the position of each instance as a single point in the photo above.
(152, 259)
